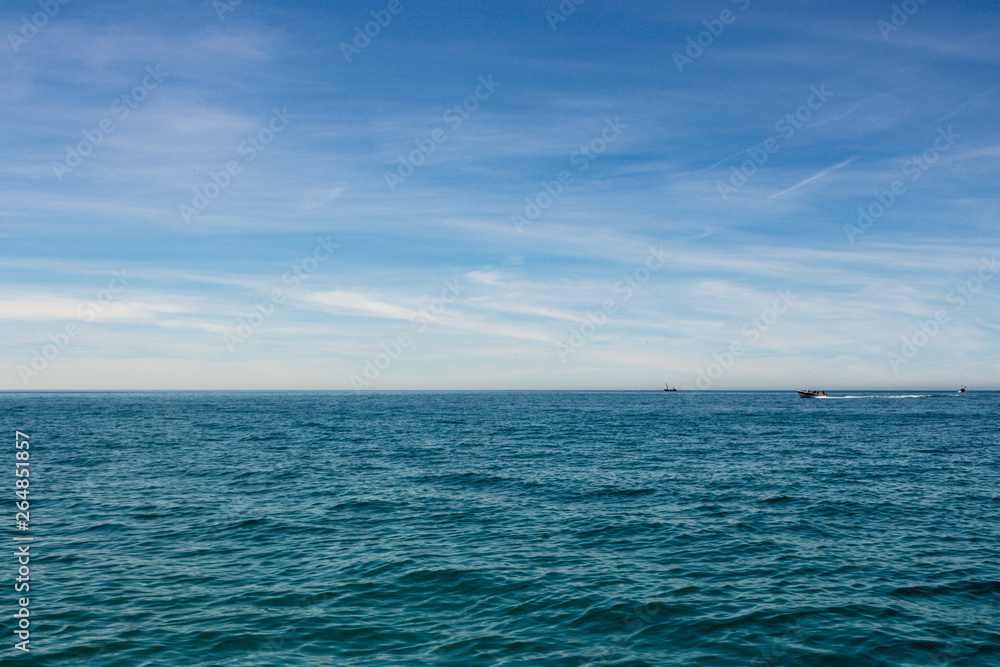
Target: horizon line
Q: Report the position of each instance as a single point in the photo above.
(373, 391)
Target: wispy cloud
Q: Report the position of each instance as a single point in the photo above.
(361, 303)
(815, 177)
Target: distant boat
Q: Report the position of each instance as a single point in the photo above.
(669, 389)
(809, 393)
(962, 390)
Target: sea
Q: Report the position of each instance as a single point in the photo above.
(390, 529)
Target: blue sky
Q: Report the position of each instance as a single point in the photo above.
(200, 195)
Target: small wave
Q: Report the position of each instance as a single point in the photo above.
(366, 505)
(468, 480)
(606, 492)
(970, 588)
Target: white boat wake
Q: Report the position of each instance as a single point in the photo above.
(885, 396)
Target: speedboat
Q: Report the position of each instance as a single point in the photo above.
(962, 390)
(809, 393)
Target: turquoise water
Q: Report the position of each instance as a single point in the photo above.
(521, 528)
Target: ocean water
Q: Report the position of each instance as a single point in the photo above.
(507, 528)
